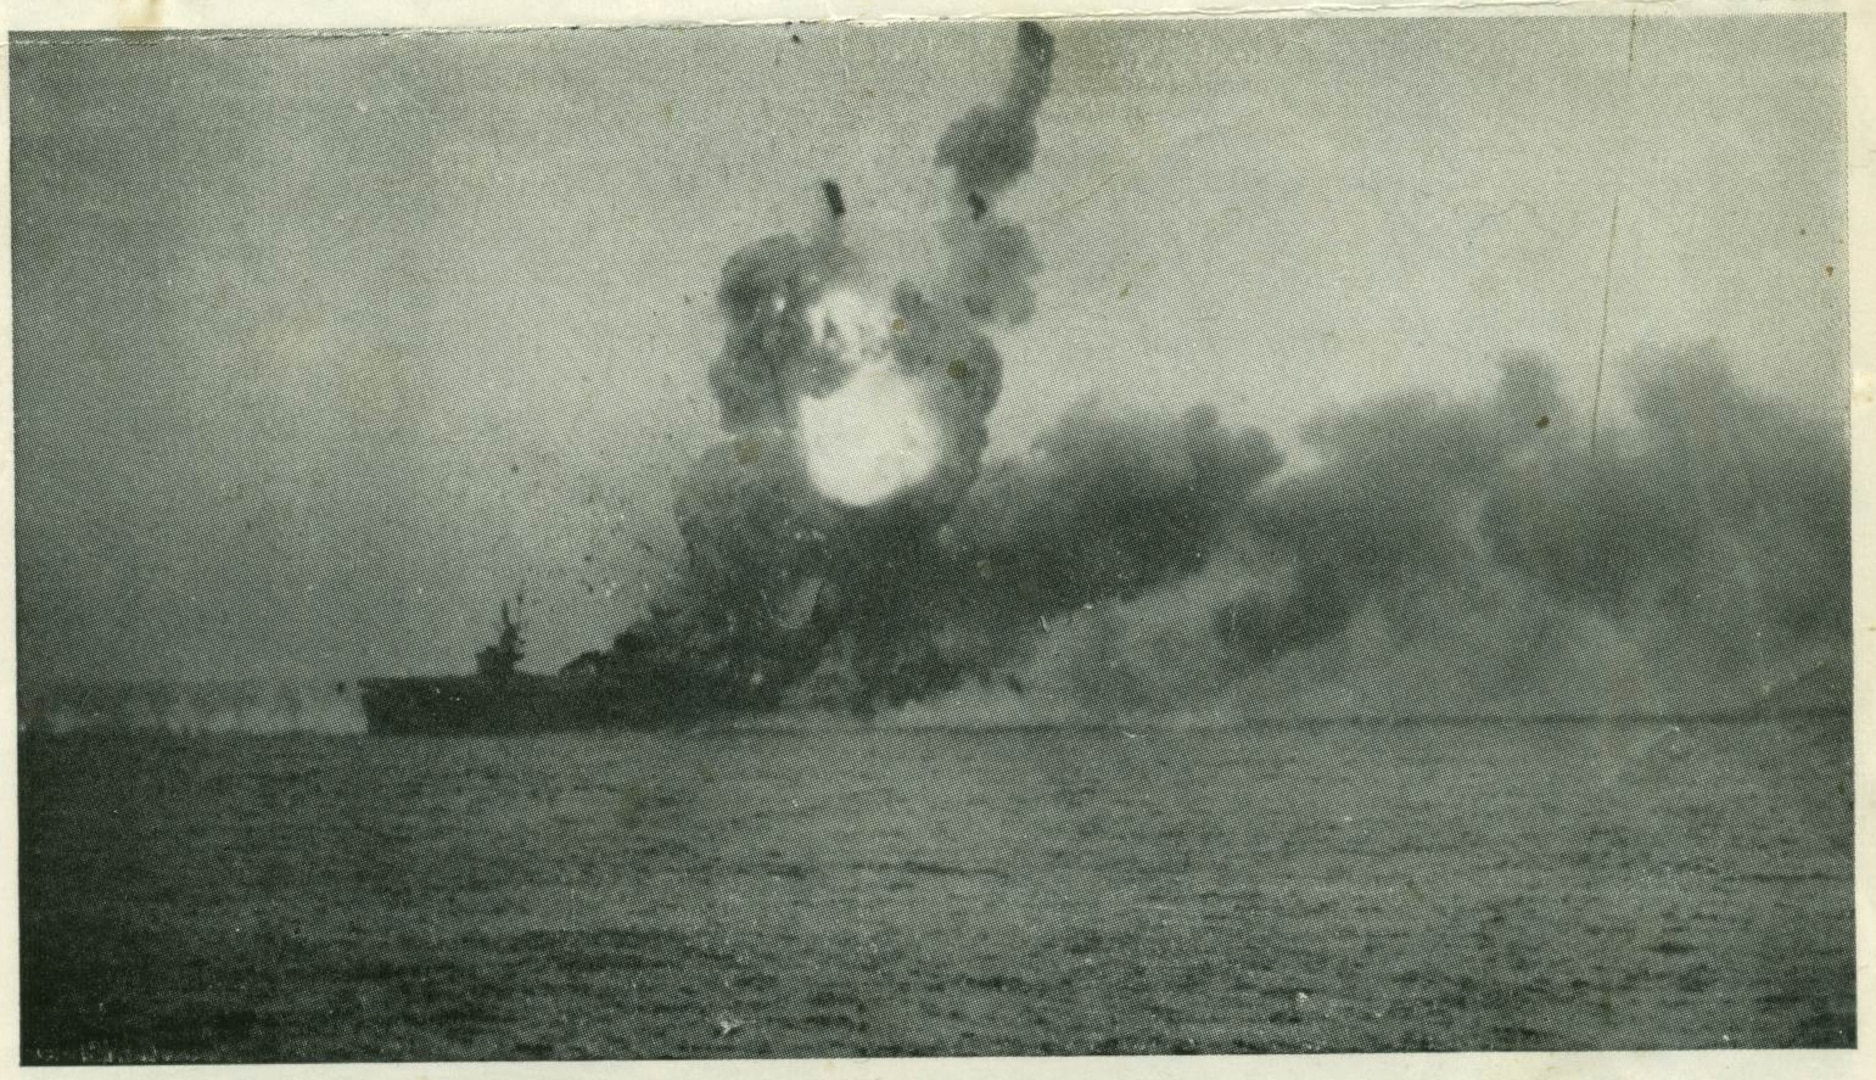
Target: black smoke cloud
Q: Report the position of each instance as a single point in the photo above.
(1453, 556)
(1105, 508)
(1387, 508)
(1714, 493)
(1426, 554)
(954, 578)
(777, 575)
(990, 260)
(992, 146)
(1429, 555)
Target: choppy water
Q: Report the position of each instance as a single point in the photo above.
(807, 893)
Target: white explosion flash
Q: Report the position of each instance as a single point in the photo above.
(873, 436)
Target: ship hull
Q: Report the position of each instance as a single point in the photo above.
(517, 705)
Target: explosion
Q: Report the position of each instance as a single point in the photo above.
(873, 436)
(856, 427)
(1441, 556)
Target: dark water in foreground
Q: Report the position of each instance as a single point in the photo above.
(1479, 885)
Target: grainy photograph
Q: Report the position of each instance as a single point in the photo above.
(953, 539)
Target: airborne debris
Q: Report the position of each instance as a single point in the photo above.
(850, 444)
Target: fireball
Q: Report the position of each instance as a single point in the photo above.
(874, 435)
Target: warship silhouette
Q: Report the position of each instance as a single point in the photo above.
(635, 684)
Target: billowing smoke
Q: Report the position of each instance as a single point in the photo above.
(1390, 506)
(847, 543)
(989, 149)
(1433, 556)
(856, 424)
(1104, 508)
(992, 146)
(1446, 557)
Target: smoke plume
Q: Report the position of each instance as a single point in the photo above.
(856, 424)
(1435, 556)
(1449, 557)
(846, 543)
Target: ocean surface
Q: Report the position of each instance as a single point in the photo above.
(197, 896)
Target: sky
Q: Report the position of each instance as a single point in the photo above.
(324, 346)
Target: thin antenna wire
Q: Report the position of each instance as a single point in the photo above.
(1608, 261)
(1602, 337)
